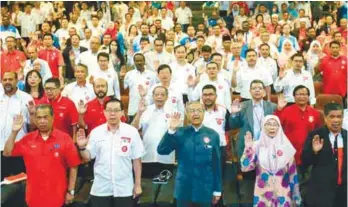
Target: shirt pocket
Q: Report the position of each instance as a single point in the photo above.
(123, 148)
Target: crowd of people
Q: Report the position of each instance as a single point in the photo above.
(133, 90)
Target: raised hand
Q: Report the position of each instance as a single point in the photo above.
(174, 121)
(142, 90)
(317, 143)
(236, 106)
(82, 140)
(81, 107)
(91, 79)
(281, 102)
(191, 81)
(142, 106)
(248, 139)
(31, 107)
(17, 122)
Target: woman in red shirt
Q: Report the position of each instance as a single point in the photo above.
(33, 86)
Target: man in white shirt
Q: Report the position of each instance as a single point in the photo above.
(215, 40)
(267, 62)
(158, 56)
(249, 72)
(174, 101)
(27, 21)
(13, 102)
(222, 88)
(223, 74)
(117, 149)
(265, 38)
(79, 89)
(235, 62)
(47, 8)
(153, 121)
(108, 73)
(45, 70)
(167, 22)
(181, 71)
(63, 32)
(136, 79)
(97, 30)
(183, 15)
(85, 12)
(37, 14)
(87, 41)
(289, 79)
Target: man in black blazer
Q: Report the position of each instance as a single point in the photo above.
(326, 151)
(70, 55)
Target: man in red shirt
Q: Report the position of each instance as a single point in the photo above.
(48, 153)
(53, 56)
(334, 71)
(65, 113)
(13, 60)
(298, 120)
(91, 114)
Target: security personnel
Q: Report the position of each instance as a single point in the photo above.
(198, 181)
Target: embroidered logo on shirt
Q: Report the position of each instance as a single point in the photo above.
(56, 154)
(219, 121)
(343, 62)
(206, 140)
(174, 100)
(305, 78)
(279, 153)
(310, 119)
(147, 82)
(220, 87)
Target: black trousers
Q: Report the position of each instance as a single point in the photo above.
(110, 201)
(11, 166)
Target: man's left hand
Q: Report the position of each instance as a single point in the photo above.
(137, 191)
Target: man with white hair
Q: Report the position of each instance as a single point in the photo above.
(35, 63)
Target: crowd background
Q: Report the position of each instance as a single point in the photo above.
(295, 43)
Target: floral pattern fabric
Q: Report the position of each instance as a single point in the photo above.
(272, 190)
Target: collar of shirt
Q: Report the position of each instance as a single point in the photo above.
(56, 100)
(297, 106)
(75, 49)
(52, 135)
(77, 85)
(197, 129)
(260, 104)
(339, 139)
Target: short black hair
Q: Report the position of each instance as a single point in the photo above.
(103, 54)
(215, 54)
(239, 32)
(206, 48)
(200, 37)
(178, 46)
(138, 54)
(299, 87)
(209, 86)
(144, 39)
(332, 107)
(10, 37)
(334, 42)
(113, 100)
(257, 81)
(14, 73)
(55, 81)
(298, 54)
(211, 62)
(47, 34)
(265, 44)
(250, 50)
(162, 67)
(75, 34)
(45, 106)
(158, 39)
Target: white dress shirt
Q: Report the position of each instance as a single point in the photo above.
(28, 24)
(76, 93)
(90, 60)
(230, 67)
(167, 23)
(9, 108)
(154, 124)
(291, 80)
(113, 153)
(216, 120)
(180, 75)
(183, 15)
(132, 80)
(345, 119)
(223, 74)
(222, 92)
(155, 59)
(111, 77)
(269, 64)
(246, 75)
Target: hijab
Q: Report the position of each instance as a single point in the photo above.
(274, 153)
(285, 56)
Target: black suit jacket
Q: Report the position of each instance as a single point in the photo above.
(322, 183)
(69, 72)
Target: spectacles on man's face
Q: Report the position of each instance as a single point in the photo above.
(50, 89)
(109, 110)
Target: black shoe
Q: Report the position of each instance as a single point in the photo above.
(162, 178)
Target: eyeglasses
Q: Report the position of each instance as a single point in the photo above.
(50, 89)
(113, 110)
(195, 110)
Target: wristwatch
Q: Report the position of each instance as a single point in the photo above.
(71, 192)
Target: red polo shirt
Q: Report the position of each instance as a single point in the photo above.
(94, 115)
(334, 75)
(11, 61)
(297, 124)
(46, 163)
(54, 59)
(65, 113)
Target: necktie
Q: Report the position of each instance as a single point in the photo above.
(336, 148)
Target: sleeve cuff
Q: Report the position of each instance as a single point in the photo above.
(171, 131)
(216, 193)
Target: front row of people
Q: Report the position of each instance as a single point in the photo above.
(118, 149)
